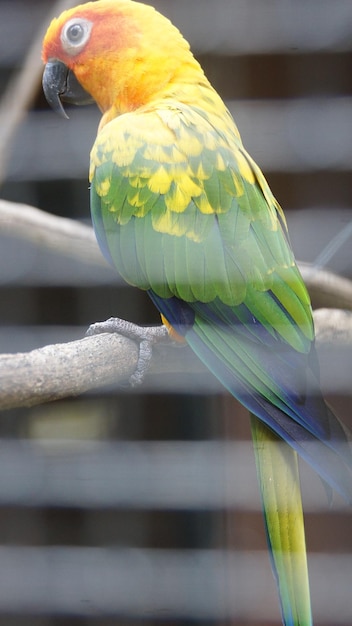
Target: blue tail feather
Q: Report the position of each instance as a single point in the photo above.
(292, 406)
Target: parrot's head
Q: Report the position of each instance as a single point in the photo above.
(119, 53)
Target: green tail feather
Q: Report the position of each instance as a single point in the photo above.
(278, 476)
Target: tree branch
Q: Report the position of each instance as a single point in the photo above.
(63, 370)
(23, 86)
(57, 234)
(333, 326)
(327, 289)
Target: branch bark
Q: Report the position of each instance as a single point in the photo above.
(70, 369)
(63, 370)
(327, 289)
(334, 327)
(70, 238)
(23, 87)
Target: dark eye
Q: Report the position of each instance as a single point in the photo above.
(75, 34)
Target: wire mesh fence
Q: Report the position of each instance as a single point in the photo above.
(143, 507)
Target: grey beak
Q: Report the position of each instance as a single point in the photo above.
(60, 84)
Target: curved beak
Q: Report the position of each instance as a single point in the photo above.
(60, 84)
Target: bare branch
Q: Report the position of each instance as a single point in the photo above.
(23, 87)
(327, 289)
(63, 370)
(69, 369)
(333, 326)
(58, 234)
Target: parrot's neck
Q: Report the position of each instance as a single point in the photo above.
(148, 87)
(183, 88)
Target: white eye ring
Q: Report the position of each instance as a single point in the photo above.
(75, 34)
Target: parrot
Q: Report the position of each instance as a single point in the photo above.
(183, 212)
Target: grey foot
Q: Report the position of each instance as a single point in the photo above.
(146, 336)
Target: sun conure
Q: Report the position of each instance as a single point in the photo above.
(183, 212)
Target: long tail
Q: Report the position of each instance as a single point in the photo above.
(279, 385)
(278, 477)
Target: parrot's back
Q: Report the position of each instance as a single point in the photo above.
(183, 212)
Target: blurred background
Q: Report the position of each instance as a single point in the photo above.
(141, 507)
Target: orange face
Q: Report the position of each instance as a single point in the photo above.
(92, 40)
(121, 52)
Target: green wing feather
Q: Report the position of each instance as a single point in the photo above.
(205, 205)
(182, 211)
